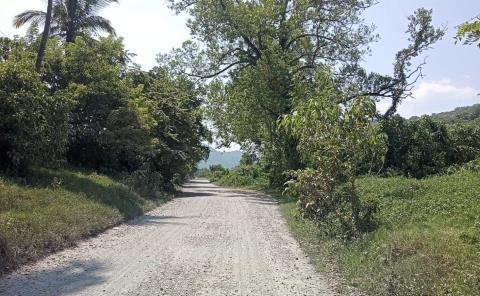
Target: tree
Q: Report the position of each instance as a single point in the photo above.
(71, 18)
(260, 50)
(465, 141)
(469, 32)
(33, 123)
(338, 139)
(262, 47)
(45, 34)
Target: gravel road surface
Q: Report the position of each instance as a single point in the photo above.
(207, 241)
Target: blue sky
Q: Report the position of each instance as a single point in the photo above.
(452, 73)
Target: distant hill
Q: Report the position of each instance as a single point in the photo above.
(460, 115)
(226, 159)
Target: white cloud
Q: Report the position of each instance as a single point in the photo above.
(436, 96)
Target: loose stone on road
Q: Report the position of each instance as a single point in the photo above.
(207, 241)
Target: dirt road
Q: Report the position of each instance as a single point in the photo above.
(208, 241)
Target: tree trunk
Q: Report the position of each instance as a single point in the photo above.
(46, 33)
(71, 15)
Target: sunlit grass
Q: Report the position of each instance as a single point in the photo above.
(55, 208)
(427, 242)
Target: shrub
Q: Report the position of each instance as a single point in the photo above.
(33, 123)
(146, 182)
(338, 139)
(217, 172)
(465, 140)
(423, 146)
(250, 176)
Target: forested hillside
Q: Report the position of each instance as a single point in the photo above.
(469, 114)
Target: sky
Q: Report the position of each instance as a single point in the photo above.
(452, 73)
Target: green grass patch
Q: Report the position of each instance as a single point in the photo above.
(55, 208)
(427, 241)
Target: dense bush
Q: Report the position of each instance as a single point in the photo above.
(424, 146)
(90, 107)
(465, 139)
(250, 176)
(216, 172)
(33, 122)
(426, 241)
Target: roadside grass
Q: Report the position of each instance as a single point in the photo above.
(53, 209)
(427, 241)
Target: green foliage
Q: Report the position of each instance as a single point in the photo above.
(217, 172)
(104, 95)
(337, 139)
(246, 176)
(424, 146)
(262, 48)
(251, 176)
(260, 52)
(426, 241)
(417, 148)
(247, 159)
(465, 140)
(92, 109)
(469, 32)
(33, 122)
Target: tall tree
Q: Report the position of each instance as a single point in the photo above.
(46, 33)
(71, 18)
(263, 49)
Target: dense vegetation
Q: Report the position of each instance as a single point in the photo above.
(294, 97)
(76, 101)
(394, 199)
(90, 108)
(422, 237)
(426, 241)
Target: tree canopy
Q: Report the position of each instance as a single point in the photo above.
(71, 18)
(260, 53)
(469, 32)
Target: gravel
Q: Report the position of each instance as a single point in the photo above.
(207, 241)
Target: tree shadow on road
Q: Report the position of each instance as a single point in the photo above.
(64, 280)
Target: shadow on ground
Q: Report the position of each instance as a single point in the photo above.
(75, 277)
(113, 194)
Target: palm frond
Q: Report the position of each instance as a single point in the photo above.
(94, 6)
(29, 16)
(97, 23)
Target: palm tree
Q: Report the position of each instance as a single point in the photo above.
(46, 32)
(71, 18)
